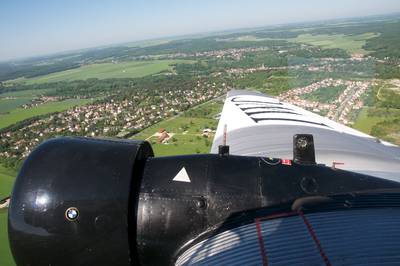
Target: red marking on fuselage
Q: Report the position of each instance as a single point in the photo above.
(314, 237)
(261, 243)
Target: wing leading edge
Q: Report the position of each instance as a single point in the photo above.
(258, 125)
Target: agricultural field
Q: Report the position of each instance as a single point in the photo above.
(388, 130)
(6, 257)
(7, 105)
(365, 122)
(382, 117)
(7, 177)
(185, 131)
(246, 38)
(269, 83)
(325, 95)
(147, 43)
(132, 69)
(19, 114)
(12, 100)
(351, 43)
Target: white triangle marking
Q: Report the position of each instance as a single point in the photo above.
(182, 176)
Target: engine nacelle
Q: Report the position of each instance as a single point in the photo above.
(72, 202)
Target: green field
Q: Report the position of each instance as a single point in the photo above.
(248, 38)
(19, 114)
(187, 131)
(147, 43)
(7, 105)
(24, 93)
(350, 43)
(7, 177)
(133, 69)
(12, 100)
(325, 95)
(364, 122)
(5, 253)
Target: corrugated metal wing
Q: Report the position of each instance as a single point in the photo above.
(346, 237)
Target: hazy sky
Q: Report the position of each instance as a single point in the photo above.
(36, 27)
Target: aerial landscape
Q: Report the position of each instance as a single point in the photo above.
(170, 92)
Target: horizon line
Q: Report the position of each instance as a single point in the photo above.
(183, 36)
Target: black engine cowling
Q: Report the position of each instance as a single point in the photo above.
(93, 178)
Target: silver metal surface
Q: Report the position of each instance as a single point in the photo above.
(347, 237)
(333, 143)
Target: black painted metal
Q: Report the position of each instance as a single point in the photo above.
(95, 177)
(232, 188)
(303, 149)
(223, 150)
(135, 209)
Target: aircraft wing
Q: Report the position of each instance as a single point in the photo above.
(258, 125)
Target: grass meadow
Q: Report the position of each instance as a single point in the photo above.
(350, 43)
(12, 100)
(7, 177)
(186, 130)
(20, 114)
(132, 69)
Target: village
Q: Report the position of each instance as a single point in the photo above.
(125, 117)
(111, 117)
(233, 53)
(338, 109)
